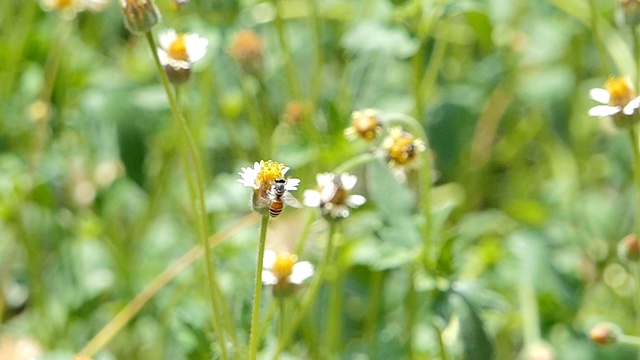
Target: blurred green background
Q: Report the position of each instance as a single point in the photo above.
(531, 198)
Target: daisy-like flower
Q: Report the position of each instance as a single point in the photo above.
(178, 52)
(621, 101)
(284, 272)
(365, 125)
(140, 15)
(333, 195)
(262, 179)
(69, 8)
(402, 152)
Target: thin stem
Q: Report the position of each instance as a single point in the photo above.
(316, 73)
(127, 313)
(373, 310)
(529, 311)
(257, 291)
(283, 316)
(354, 162)
(426, 177)
(334, 331)
(636, 44)
(443, 348)
(412, 314)
(310, 295)
(289, 68)
(595, 28)
(201, 216)
(635, 150)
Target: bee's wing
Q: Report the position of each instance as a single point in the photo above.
(288, 199)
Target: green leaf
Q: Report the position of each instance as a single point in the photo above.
(475, 341)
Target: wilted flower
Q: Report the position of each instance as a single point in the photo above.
(364, 125)
(69, 8)
(140, 15)
(604, 334)
(262, 178)
(178, 51)
(402, 151)
(333, 196)
(284, 272)
(247, 49)
(621, 102)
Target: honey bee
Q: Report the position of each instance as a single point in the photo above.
(279, 197)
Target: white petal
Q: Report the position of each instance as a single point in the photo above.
(324, 179)
(196, 47)
(167, 37)
(300, 272)
(631, 106)
(248, 177)
(269, 259)
(600, 95)
(164, 58)
(268, 278)
(292, 184)
(348, 181)
(355, 200)
(311, 198)
(339, 211)
(604, 110)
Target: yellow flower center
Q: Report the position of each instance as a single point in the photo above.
(403, 150)
(269, 171)
(61, 4)
(178, 49)
(621, 91)
(283, 266)
(366, 124)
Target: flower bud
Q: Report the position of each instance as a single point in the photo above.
(604, 334)
(140, 15)
(629, 248)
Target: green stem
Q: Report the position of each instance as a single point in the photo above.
(310, 295)
(595, 28)
(529, 311)
(635, 150)
(257, 291)
(316, 73)
(443, 348)
(426, 176)
(371, 321)
(289, 68)
(636, 44)
(354, 162)
(283, 317)
(334, 330)
(630, 340)
(412, 314)
(201, 216)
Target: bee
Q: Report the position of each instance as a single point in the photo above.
(279, 197)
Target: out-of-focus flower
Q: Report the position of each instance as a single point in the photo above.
(402, 151)
(629, 12)
(365, 125)
(262, 178)
(284, 272)
(604, 334)
(621, 102)
(294, 112)
(629, 248)
(247, 49)
(140, 15)
(69, 8)
(178, 52)
(333, 195)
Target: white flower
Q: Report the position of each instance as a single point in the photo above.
(181, 50)
(262, 178)
(618, 96)
(333, 196)
(69, 8)
(284, 268)
(262, 175)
